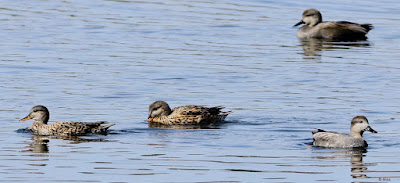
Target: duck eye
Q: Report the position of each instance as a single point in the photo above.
(35, 110)
(310, 15)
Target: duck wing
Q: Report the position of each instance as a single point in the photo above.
(336, 140)
(367, 27)
(193, 114)
(344, 30)
(78, 128)
(326, 135)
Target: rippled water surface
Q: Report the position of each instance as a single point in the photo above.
(108, 60)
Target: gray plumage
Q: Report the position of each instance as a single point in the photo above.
(342, 30)
(359, 125)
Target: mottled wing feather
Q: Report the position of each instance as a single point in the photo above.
(191, 115)
(77, 128)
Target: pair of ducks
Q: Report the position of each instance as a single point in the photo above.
(338, 31)
(160, 112)
(342, 30)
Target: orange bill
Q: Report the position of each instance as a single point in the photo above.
(26, 118)
(150, 120)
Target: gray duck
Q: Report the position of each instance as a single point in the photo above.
(359, 125)
(342, 30)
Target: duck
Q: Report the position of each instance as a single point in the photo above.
(41, 115)
(160, 112)
(359, 125)
(342, 30)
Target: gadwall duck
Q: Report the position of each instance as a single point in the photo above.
(41, 116)
(342, 30)
(160, 112)
(359, 125)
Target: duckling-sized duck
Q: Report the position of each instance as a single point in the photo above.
(160, 112)
(342, 30)
(359, 125)
(41, 116)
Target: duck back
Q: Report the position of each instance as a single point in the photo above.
(70, 128)
(336, 140)
(193, 115)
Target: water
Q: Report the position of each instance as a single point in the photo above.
(108, 60)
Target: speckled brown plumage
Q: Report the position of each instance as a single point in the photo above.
(41, 116)
(160, 112)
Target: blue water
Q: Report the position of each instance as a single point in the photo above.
(108, 60)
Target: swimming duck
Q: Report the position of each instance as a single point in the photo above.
(359, 125)
(342, 30)
(160, 112)
(41, 116)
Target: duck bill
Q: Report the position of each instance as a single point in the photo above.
(370, 129)
(149, 119)
(298, 23)
(26, 118)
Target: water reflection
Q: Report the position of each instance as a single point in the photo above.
(40, 144)
(358, 168)
(314, 47)
(208, 126)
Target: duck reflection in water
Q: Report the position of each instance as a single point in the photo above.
(313, 48)
(205, 126)
(40, 144)
(357, 166)
(358, 169)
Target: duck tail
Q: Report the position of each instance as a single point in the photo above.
(226, 113)
(222, 115)
(102, 129)
(367, 27)
(108, 126)
(215, 110)
(318, 130)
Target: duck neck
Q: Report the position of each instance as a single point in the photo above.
(169, 111)
(166, 111)
(43, 119)
(39, 123)
(357, 135)
(313, 24)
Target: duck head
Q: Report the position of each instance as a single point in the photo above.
(311, 17)
(158, 108)
(359, 125)
(38, 113)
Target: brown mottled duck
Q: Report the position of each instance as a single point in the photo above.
(160, 112)
(41, 116)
